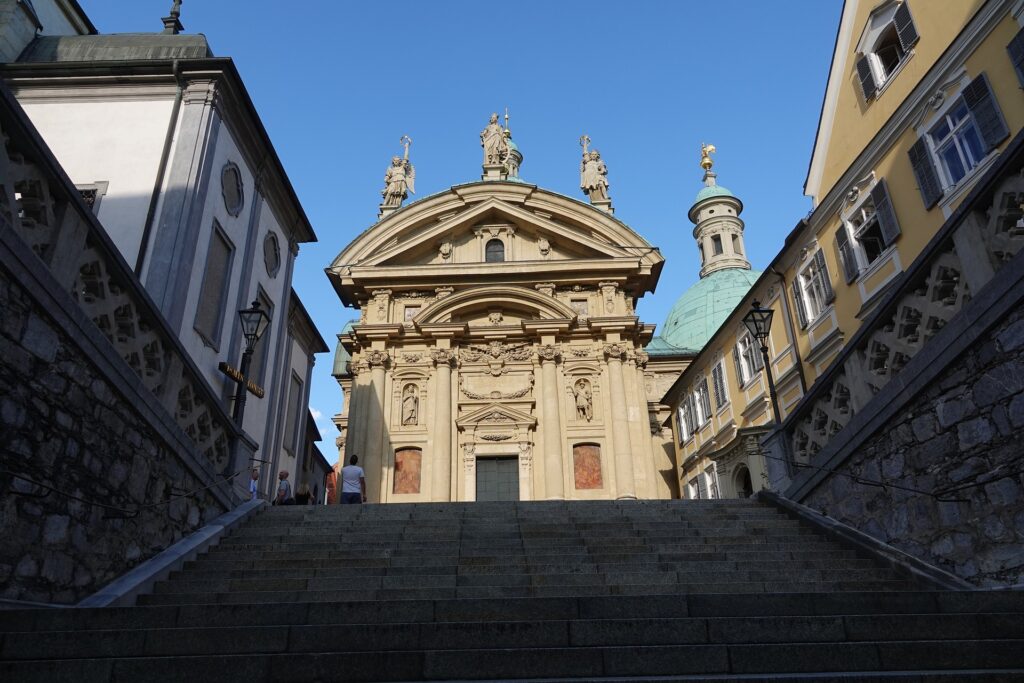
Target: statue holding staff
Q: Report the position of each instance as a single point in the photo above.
(492, 139)
(399, 179)
(593, 173)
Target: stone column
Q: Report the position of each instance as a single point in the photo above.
(441, 484)
(373, 455)
(553, 488)
(624, 482)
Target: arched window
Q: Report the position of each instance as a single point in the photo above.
(495, 251)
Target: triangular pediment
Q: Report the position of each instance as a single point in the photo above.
(527, 236)
(496, 415)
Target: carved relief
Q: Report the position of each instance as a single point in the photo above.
(377, 358)
(495, 317)
(445, 250)
(496, 437)
(380, 297)
(442, 292)
(469, 457)
(615, 351)
(544, 246)
(549, 352)
(494, 395)
(580, 351)
(526, 455)
(608, 293)
(412, 357)
(443, 356)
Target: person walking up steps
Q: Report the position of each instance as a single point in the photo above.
(353, 483)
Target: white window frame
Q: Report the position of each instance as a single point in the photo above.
(701, 403)
(813, 291)
(855, 232)
(879, 23)
(934, 146)
(749, 366)
(711, 476)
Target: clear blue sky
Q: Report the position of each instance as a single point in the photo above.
(338, 83)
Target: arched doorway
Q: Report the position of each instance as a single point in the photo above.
(741, 480)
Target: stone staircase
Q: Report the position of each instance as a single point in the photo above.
(630, 591)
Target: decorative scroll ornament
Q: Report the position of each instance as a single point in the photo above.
(442, 357)
(377, 358)
(641, 358)
(442, 292)
(495, 395)
(615, 351)
(469, 456)
(549, 352)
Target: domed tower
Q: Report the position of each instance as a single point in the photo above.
(718, 228)
(725, 274)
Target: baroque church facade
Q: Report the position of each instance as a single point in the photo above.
(498, 354)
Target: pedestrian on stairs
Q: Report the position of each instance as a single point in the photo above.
(253, 484)
(353, 483)
(284, 490)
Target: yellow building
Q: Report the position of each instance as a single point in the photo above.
(921, 98)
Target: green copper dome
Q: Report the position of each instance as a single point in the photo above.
(702, 309)
(713, 191)
(341, 356)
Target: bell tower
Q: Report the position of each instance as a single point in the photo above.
(718, 228)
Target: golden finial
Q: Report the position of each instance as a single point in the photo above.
(705, 156)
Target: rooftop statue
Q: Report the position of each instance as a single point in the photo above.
(399, 179)
(593, 174)
(705, 156)
(494, 142)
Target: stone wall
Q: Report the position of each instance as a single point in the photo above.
(960, 440)
(66, 423)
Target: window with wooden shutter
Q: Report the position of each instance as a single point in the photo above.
(924, 170)
(883, 210)
(718, 381)
(982, 102)
(846, 256)
(905, 27)
(741, 377)
(798, 301)
(826, 281)
(1016, 50)
(703, 401)
(867, 78)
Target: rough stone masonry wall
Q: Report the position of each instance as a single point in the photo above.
(966, 429)
(66, 425)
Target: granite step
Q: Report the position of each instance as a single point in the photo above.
(593, 663)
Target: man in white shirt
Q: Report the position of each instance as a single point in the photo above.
(353, 483)
(254, 484)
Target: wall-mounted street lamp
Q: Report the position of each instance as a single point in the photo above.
(759, 322)
(254, 323)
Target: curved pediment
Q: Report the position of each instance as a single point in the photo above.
(531, 304)
(448, 234)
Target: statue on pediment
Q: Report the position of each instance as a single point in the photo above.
(593, 173)
(399, 179)
(494, 142)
